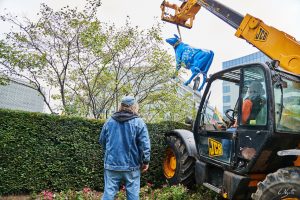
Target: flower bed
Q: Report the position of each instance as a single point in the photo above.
(147, 192)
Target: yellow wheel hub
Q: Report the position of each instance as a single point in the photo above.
(169, 163)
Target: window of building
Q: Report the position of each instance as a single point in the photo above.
(226, 88)
(226, 108)
(226, 99)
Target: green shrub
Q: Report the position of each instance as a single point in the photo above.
(146, 193)
(85, 194)
(202, 193)
(178, 192)
(48, 152)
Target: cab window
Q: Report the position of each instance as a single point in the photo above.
(220, 107)
(287, 105)
(254, 98)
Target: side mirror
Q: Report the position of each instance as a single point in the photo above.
(284, 84)
(281, 83)
(189, 120)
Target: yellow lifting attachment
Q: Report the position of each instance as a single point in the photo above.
(183, 15)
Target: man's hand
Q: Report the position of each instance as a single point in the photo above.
(144, 167)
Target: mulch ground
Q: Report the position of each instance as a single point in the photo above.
(15, 198)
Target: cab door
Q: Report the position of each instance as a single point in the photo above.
(252, 129)
(216, 133)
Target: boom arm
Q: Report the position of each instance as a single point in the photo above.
(276, 44)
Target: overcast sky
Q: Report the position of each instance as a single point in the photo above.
(209, 32)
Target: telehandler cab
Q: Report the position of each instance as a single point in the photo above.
(232, 159)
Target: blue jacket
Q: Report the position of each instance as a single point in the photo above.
(126, 142)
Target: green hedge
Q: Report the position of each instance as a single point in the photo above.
(40, 151)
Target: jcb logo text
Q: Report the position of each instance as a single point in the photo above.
(215, 147)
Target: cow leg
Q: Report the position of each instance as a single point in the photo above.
(195, 72)
(203, 82)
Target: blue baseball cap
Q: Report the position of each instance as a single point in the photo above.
(128, 100)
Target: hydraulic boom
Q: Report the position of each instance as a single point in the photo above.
(276, 44)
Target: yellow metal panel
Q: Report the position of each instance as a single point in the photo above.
(278, 45)
(184, 14)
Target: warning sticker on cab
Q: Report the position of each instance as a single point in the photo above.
(215, 147)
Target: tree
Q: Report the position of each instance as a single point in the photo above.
(87, 65)
(135, 63)
(43, 52)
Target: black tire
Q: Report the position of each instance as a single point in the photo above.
(184, 172)
(283, 184)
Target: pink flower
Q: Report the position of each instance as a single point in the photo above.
(86, 190)
(47, 195)
(149, 184)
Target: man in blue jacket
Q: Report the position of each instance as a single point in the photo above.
(126, 143)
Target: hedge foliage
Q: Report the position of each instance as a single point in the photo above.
(40, 151)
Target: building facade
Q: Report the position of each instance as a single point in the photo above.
(230, 91)
(17, 95)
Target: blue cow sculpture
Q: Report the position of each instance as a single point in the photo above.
(196, 60)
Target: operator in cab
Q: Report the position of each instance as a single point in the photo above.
(251, 109)
(253, 104)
